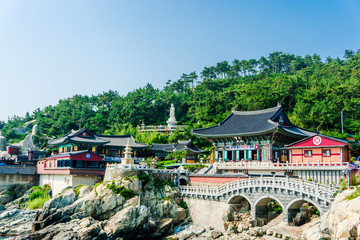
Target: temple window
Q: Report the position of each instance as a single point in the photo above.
(326, 152)
(308, 153)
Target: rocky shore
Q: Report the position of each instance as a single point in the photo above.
(134, 206)
(138, 206)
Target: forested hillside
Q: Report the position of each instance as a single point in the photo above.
(312, 91)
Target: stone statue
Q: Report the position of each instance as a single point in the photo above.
(35, 130)
(172, 121)
(2, 142)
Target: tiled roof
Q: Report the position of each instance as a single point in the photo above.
(162, 147)
(242, 123)
(178, 147)
(76, 137)
(247, 123)
(121, 141)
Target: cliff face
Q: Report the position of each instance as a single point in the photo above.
(342, 221)
(128, 208)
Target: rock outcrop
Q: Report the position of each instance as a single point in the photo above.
(127, 208)
(342, 221)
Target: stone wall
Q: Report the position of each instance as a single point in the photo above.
(117, 173)
(207, 213)
(7, 180)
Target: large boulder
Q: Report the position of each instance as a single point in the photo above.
(340, 222)
(125, 223)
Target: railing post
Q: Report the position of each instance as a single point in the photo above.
(227, 187)
(317, 192)
(301, 186)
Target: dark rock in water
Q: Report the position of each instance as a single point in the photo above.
(302, 217)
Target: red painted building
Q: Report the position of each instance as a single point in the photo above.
(82, 158)
(319, 149)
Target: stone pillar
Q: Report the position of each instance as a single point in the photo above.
(216, 155)
(237, 155)
(225, 155)
(285, 216)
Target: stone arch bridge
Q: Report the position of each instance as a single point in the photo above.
(207, 204)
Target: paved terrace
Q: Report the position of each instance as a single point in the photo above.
(257, 165)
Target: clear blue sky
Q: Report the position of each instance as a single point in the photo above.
(51, 50)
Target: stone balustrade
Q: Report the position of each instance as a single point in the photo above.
(321, 192)
(141, 167)
(257, 165)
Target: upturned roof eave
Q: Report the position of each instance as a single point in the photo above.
(132, 146)
(235, 134)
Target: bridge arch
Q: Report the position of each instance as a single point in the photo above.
(237, 197)
(238, 205)
(294, 206)
(261, 211)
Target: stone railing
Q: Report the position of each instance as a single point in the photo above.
(136, 159)
(311, 189)
(160, 128)
(141, 167)
(257, 165)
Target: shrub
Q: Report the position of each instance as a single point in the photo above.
(276, 207)
(343, 183)
(77, 189)
(194, 167)
(126, 193)
(183, 205)
(160, 184)
(354, 194)
(144, 178)
(38, 202)
(38, 196)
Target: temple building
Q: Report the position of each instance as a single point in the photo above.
(266, 143)
(162, 150)
(253, 135)
(115, 149)
(82, 158)
(328, 156)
